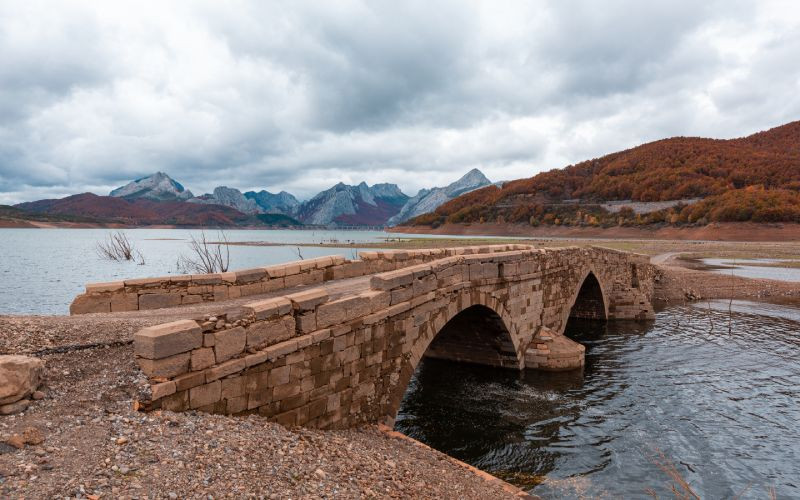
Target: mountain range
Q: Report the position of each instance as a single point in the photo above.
(159, 199)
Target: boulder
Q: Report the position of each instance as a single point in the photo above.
(19, 377)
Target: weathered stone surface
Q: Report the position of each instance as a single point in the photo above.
(229, 343)
(308, 300)
(204, 395)
(15, 407)
(122, 301)
(168, 367)
(111, 286)
(159, 300)
(265, 309)
(312, 361)
(202, 358)
(163, 389)
(160, 341)
(86, 304)
(19, 377)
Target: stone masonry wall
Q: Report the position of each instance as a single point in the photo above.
(169, 291)
(303, 359)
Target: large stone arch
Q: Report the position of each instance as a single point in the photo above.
(440, 320)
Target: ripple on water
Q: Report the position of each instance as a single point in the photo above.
(717, 391)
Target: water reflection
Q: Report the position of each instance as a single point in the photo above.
(716, 391)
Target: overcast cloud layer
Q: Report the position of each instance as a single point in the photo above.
(298, 96)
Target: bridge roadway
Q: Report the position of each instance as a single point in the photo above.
(341, 351)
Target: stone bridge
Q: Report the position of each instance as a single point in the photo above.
(326, 359)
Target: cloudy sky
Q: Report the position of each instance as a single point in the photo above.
(300, 95)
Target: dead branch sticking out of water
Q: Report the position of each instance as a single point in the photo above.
(117, 247)
(206, 257)
(679, 486)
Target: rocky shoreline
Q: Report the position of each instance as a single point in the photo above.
(85, 438)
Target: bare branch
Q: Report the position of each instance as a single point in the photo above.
(117, 247)
(206, 257)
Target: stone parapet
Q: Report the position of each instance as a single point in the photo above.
(171, 291)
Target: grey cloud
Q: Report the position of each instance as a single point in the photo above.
(299, 96)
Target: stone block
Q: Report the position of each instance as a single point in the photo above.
(331, 313)
(308, 300)
(225, 369)
(202, 358)
(167, 339)
(280, 392)
(281, 349)
(111, 286)
(204, 395)
(176, 402)
(232, 387)
(307, 322)
(86, 304)
(272, 285)
(229, 343)
(279, 376)
(162, 390)
(159, 300)
(168, 367)
(20, 376)
(186, 299)
(264, 309)
(207, 279)
(189, 380)
(250, 275)
(121, 302)
(270, 332)
(220, 292)
(236, 405)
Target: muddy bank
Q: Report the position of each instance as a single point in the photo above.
(684, 280)
(745, 231)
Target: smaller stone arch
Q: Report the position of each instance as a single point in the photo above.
(595, 294)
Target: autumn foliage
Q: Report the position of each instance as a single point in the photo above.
(755, 178)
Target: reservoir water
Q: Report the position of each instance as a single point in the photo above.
(715, 393)
(42, 270)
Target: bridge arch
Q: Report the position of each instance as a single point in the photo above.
(500, 344)
(589, 300)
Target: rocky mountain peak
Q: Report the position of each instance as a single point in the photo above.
(158, 186)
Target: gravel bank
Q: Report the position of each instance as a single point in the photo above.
(94, 445)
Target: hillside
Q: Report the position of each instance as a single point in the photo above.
(138, 211)
(755, 178)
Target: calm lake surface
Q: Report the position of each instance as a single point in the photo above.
(717, 393)
(753, 268)
(42, 270)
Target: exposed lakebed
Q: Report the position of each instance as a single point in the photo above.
(716, 391)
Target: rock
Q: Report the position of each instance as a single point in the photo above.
(18, 407)
(32, 436)
(16, 441)
(38, 395)
(19, 377)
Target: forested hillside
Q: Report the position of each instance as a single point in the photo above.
(755, 178)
